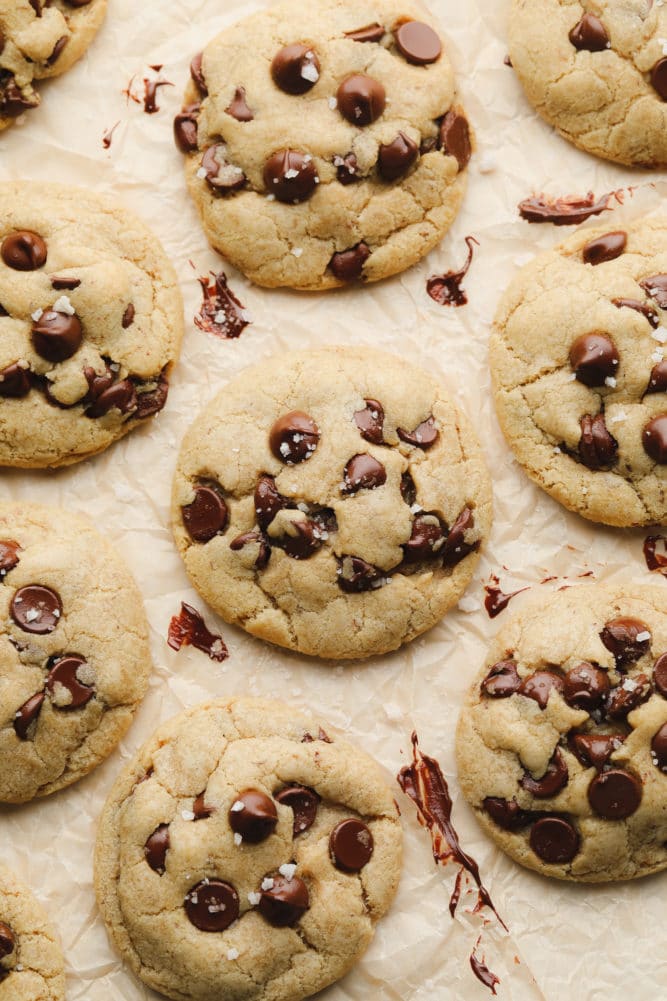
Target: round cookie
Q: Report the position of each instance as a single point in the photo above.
(31, 960)
(74, 655)
(325, 143)
(39, 39)
(332, 502)
(579, 372)
(597, 72)
(246, 854)
(562, 740)
(91, 320)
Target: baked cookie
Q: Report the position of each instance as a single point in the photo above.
(74, 655)
(580, 376)
(91, 320)
(31, 960)
(597, 71)
(562, 741)
(332, 502)
(325, 142)
(39, 39)
(246, 854)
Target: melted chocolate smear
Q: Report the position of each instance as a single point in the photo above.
(221, 313)
(189, 629)
(566, 211)
(481, 971)
(656, 560)
(107, 137)
(150, 92)
(496, 601)
(446, 289)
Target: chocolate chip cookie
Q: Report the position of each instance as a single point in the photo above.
(562, 742)
(31, 960)
(91, 320)
(580, 377)
(597, 72)
(245, 853)
(325, 143)
(39, 39)
(332, 502)
(74, 656)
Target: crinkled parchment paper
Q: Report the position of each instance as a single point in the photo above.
(579, 943)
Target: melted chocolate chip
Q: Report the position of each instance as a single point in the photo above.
(502, 680)
(351, 845)
(454, 138)
(212, 905)
(200, 809)
(594, 750)
(659, 748)
(23, 251)
(197, 74)
(65, 685)
(564, 211)
(654, 439)
(57, 49)
(656, 288)
(128, 316)
(257, 819)
(303, 802)
(189, 629)
(371, 33)
(370, 422)
(355, 575)
(291, 176)
(660, 675)
(57, 336)
(308, 537)
(507, 813)
(621, 637)
(221, 176)
(554, 840)
(426, 539)
(585, 687)
(347, 169)
(538, 686)
(554, 779)
(456, 548)
(627, 696)
(156, 848)
(615, 794)
(119, 396)
(252, 538)
(294, 437)
(15, 381)
(657, 382)
(186, 126)
(295, 69)
(285, 902)
(27, 715)
(590, 34)
(9, 556)
(222, 313)
(64, 283)
(363, 472)
(348, 265)
(594, 359)
(152, 401)
(423, 436)
(207, 515)
(268, 501)
(396, 157)
(36, 609)
(659, 78)
(639, 307)
(361, 99)
(239, 108)
(7, 940)
(13, 100)
(408, 489)
(417, 42)
(598, 449)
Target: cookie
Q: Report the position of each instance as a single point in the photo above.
(91, 320)
(562, 741)
(325, 144)
(597, 73)
(39, 39)
(31, 960)
(332, 502)
(74, 655)
(579, 374)
(246, 854)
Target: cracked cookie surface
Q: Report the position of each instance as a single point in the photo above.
(597, 72)
(39, 39)
(579, 374)
(245, 853)
(332, 502)
(74, 656)
(562, 741)
(91, 320)
(31, 959)
(325, 144)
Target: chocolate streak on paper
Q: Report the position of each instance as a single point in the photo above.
(446, 289)
(654, 559)
(108, 136)
(150, 93)
(481, 971)
(566, 211)
(189, 629)
(496, 601)
(221, 313)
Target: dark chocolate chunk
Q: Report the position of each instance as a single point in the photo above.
(152, 401)
(57, 336)
(507, 813)
(200, 809)
(594, 359)
(659, 78)
(598, 449)
(355, 575)
(212, 905)
(347, 168)
(622, 638)
(221, 176)
(660, 675)
(348, 265)
(238, 108)
(656, 288)
(15, 381)
(36, 609)
(659, 748)
(57, 49)
(250, 538)
(207, 515)
(417, 42)
(120, 396)
(188, 628)
(308, 537)
(285, 902)
(615, 794)
(371, 33)
(186, 125)
(295, 68)
(361, 99)
(23, 251)
(408, 489)
(554, 840)
(64, 283)
(396, 157)
(27, 714)
(502, 680)
(14, 100)
(590, 34)
(268, 501)
(554, 779)
(9, 557)
(65, 685)
(454, 138)
(291, 176)
(197, 74)
(156, 848)
(657, 382)
(370, 422)
(294, 437)
(351, 845)
(426, 539)
(538, 686)
(456, 548)
(594, 750)
(654, 439)
(253, 815)
(423, 436)
(303, 802)
(627, 696)
(363, 472)
(585, 686)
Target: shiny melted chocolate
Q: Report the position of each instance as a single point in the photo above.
(656, 560)
(221, 313)
(446, 289)
(189, 629)
(496, 600)
(568, 210)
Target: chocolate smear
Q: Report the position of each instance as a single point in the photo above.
(481, 971)
(221, 314)
(656, 560)
(568, 210)
(107, 135)
(150, 92)
(189, 629)
(446, 289)
(496, 600)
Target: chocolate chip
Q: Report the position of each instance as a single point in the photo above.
(303, 802)
(23, 251)
(3, 311)
(423, 436)
(370, 422)
(348, 265)
(659, 748)
(659, 78)
(658, 380)
(639, 307)
(9, 557)
(408, 489)
(538, 686)
(119, 396)
(69, 682)
(156, 848)
(221, 176)
(597, 448)
(200, 809)
(291, 176)
(554, 779)
(593, 750)
(396, 157)
(207, 515)
(502, 680)
(13, 100)
(57, 49)
(554, 840)
(36, 609)
(7, 940)
(605, 248)
(654, 439)
(256, 819)
(350, 845)
(594, 359)
(97, 384)
(36, 6)
(355, 575)
(456, 548)
(426, 539)
(417, 42)
(507, 813)
(268, 501)
(363, 472)
(152, 401)
(371, 33)
(347, 168)
(212, 905)
(454, 138)
(285, 902)
(61, 283)
(238, 108)
(308, 537)
(294, 437)
(15, 381)
(27, 715)
(186, 125)
(590, 34)
(197, 74)
(660, 675)
(656, 287)
(57, 336)
(585, 686)
(128, 316)
(621, 637)
(615, 794)
(252, 538)
(627, 696)
(295, 69)
(361, 99)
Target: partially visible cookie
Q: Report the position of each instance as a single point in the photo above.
(325, 143)
(91, 321)
(332, 501)
(580, 373)
(562, 741)
(246, 854)
(39, 39)
(74, 655)
(597, 72)
(31, 960)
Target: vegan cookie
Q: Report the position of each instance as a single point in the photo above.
(74, 655)
(562, 741)
(31, 960)
(332, 502)
(580, 373)
(597, 72)
(325, 143)
(91, 320)
(246, 854)
(39, 39)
